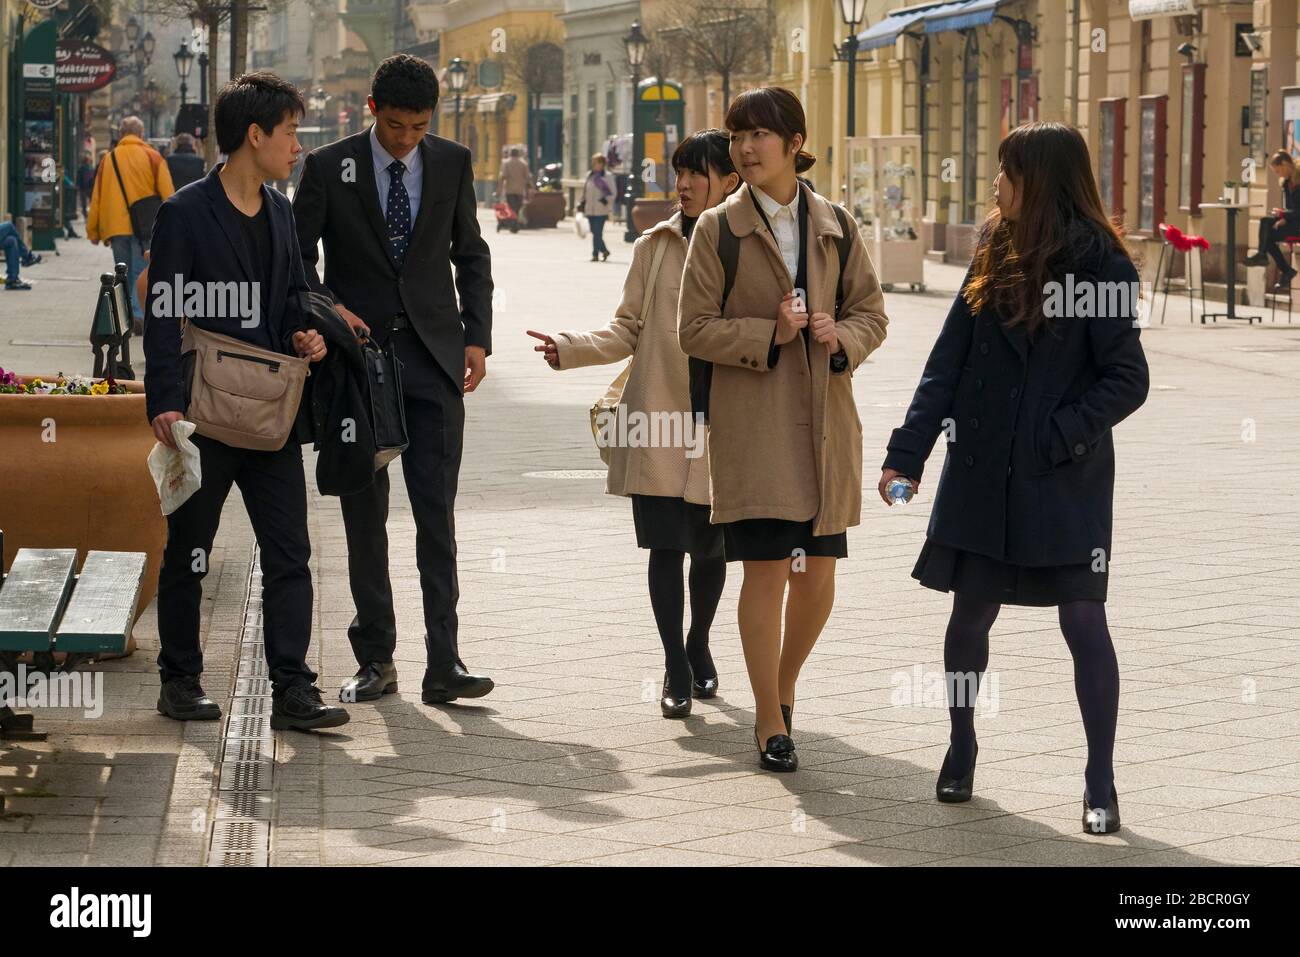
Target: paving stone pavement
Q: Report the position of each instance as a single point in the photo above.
(568, 761)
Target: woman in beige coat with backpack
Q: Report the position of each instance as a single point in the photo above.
(657, 449)
(785, 442)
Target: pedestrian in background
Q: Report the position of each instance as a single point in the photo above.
(784, 321)
(668, 485)
(86, 181)
(1022, 515)
(142, 173)
(1283, 222)
(16, 254)
(516, 183)
(597, 202)
(184, 163)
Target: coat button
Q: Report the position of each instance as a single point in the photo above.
(1080, 448)
(974, 423)
(984, 348)
(970, 460)
(1014, 392)
(744, 360)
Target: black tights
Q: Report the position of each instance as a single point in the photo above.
(1096, 682)
(707, 577)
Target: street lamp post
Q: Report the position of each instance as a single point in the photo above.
(635, 43)
(203, 75)
(316, 102)
(184, 62)
(457, 79)
(852, 11)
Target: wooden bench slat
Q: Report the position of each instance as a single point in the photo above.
(102, 609)
(34, 595)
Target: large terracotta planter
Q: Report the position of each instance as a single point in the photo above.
(88, 489)
(647, 212)
(543, 210)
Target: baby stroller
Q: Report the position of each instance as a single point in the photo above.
(506, 218)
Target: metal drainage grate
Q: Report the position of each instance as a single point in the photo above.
(241, 832)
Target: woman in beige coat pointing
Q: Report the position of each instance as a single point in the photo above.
(657, 449)
(785, 443)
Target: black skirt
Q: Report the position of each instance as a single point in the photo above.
(665, 522)
(774, 539)
(951, 569)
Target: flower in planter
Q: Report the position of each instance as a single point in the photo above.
(11, 384)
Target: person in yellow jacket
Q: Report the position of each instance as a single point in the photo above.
(108, 220)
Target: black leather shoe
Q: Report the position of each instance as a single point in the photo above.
(671, 705)
(1256, 259)
(704, 687)
(1098, 820)
(373, 681)
(778, 755)
(184, 700)
(451, 682)
(1284, 280)
(300, 708)
(952, 790)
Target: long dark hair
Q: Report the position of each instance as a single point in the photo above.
(772, 108)
(1061, 223)
(700, 152)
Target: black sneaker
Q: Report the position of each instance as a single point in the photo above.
(184, 700)
(32, 259)
(300, 708)
(17, 284)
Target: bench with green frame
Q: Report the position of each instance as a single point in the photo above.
(47, 608)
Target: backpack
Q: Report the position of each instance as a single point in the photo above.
(701, 370)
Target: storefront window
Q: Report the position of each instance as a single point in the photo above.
(1111, 158)
(1151, 164)
(1191, 144)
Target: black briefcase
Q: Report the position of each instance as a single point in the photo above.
(387, 410)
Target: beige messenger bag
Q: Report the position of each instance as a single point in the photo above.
(240, 394)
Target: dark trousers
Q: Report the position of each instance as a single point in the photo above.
(435, 423)
(1270, 234)
(515, 201)
(275, 495)
(597, 224)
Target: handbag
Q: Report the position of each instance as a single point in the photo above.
(239, 394)
(607, 405)
(387, 410)
(143, 211)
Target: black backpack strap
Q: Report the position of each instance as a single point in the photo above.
(729, 253)
(843, 244)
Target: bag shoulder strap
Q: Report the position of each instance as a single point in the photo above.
(661, 247)
(112, 154)
(729, 253)
(843, 244)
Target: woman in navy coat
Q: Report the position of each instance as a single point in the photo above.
(1037, 360)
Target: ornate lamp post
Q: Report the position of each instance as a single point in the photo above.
(852, 11)
(635, 44)
(184, 63)
(458, 80)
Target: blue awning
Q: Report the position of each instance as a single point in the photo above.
(933, 18)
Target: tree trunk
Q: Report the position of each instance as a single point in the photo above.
(210, 141)
(238, 37)
(726, 91)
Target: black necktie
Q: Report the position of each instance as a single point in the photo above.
(398, 220)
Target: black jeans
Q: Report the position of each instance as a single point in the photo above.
(275, 495)
(435, 422)
(1270, 234)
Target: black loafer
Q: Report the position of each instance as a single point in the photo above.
(705, 687)
(1098, 820)
(371, 683)
(300, 708)
(952, 790)
(451, 682)
(184, 700)
(779, 753)
(671, 705)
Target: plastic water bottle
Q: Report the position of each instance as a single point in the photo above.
(900, 491)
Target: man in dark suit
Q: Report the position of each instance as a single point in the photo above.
(396, 209)
(229, 234)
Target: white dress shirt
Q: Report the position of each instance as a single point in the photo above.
(412, 179)
(784, 221)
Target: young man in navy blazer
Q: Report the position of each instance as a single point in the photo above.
(225, 257)
(396, 209)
